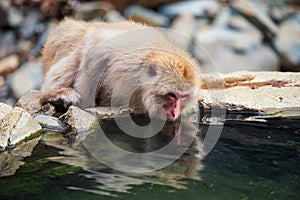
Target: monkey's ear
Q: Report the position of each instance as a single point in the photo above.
(152, 70)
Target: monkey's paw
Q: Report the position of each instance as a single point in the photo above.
(63, 96)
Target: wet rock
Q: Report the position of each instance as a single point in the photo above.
(78, 120)
(30, 102)
(11, 160)
(28, 77)
(144, 15)
(288, 42)
(9, 64)
(26, 128)
(50, 123)
(196, 8)
(17, 126)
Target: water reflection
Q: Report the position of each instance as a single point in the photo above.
(110, 180)
(251, 159)
(11, 160)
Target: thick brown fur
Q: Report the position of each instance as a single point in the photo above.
(85, 62)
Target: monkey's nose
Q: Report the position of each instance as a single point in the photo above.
(173, 113)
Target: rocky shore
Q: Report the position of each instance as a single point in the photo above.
(249, 52)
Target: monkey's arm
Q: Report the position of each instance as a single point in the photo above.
(58, 83)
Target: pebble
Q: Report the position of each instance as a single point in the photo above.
(150, 17)
(31, 22)
(195, 8)
(9, 64)
(15, 17)
(7, 43)
(50, 123)
(27, 78)
(23, 48)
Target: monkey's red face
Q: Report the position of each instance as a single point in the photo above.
(174, 101)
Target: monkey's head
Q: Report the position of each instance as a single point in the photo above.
(175, 84)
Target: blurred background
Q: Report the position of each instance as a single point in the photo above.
(239, 35)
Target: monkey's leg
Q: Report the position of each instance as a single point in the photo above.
(57, 87)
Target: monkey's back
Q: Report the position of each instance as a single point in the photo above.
(70, 36)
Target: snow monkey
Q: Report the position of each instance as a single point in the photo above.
(87, 62)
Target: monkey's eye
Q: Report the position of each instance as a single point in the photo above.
(184, 97)
(173, 95)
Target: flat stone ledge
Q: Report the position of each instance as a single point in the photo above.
(267, 92)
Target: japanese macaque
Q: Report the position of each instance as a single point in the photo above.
(93, 63)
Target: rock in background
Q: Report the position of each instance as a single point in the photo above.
(225, 36)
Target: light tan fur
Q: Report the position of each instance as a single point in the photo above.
(89, 60)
